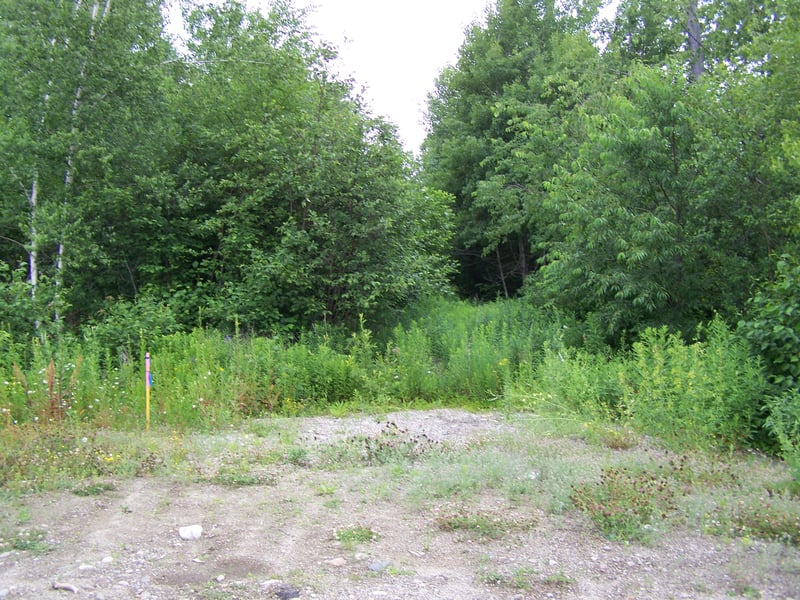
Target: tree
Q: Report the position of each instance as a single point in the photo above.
(82, 82)
(300, 207)
(497, 122)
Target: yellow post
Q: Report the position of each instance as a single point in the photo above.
(147, 381)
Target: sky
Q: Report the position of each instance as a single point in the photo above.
(394, 50)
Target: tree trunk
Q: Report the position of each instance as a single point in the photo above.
(694, 42)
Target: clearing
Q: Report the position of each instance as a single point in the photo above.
(441, 504)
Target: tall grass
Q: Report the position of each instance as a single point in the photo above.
(699, 394)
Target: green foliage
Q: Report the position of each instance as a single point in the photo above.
(711, 389)
(574, 382)
(623, 504)
(499, 120)
(52, 456)
(18, 311)
(772, 325)
(121, 326)
(27, 540)
(350, 537)
(783, 423)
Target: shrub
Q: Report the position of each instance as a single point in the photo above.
(576, 382)
(772, 328)
(624, 503)
(704, 394)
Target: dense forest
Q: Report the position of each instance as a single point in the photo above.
(625, 174)
(226, 176)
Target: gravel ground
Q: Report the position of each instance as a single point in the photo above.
(278, 538)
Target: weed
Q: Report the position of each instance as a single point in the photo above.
(559, 580)
(395, 444)
(298, 456)
(697, 470)
(617, 437)
(27, 540)
(234, 477)
(494, 578)
(93, 489)
(325, 489)
(482, 525)
(518, 579)
(391, 445)
(773, 519)
(623, 504)
(350, 537)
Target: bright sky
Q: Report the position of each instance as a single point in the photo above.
(395, 49)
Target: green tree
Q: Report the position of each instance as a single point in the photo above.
(82, 84)
(299, 206)
(498, 121)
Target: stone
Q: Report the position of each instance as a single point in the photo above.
(191, 532)
(336, 562)
(379, 566)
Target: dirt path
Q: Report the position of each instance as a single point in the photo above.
(283, 536)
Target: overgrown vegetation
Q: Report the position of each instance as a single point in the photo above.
(626, 210)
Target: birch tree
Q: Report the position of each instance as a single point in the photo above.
(72, 74)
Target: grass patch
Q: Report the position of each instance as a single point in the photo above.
(230, 477)
(97, 488)
(350, 537)
(624, 503)
(481, 525)
(27, 540)
(771, 519)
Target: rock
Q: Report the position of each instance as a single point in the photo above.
(278, 589)
(286, 592)
(191, 532)
(107, 559)
(336, 562)
(379, 566)
(4, 592)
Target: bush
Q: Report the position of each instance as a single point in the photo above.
(122, 326)
(772, 328)
(576, 382)
(705, 394)
(773, 324)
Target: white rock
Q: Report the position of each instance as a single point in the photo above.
(107, 559)
(191, 532)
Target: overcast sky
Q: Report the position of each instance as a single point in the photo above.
(395, 49)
